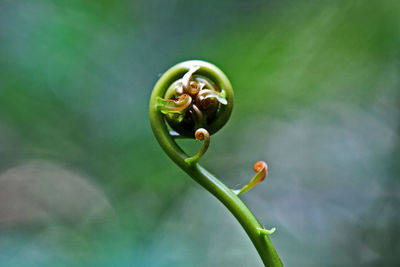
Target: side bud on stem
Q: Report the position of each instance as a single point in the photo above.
(201, 134)
(262, 170)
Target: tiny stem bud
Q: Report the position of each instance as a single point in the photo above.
(266, 231)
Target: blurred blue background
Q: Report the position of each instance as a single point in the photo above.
(83, 181)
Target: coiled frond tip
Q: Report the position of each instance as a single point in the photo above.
(200, 135)
(262, 169)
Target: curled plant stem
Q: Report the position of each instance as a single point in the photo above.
(201, 134)
(178, 106)
(188, 87)
(257, 234)
(205, 96)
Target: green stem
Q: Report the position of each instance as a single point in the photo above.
(245, 217)
(236, 206)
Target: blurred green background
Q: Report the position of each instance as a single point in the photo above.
(83, 182)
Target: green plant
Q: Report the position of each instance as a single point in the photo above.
(194, 99)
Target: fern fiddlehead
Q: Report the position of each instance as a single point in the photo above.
(194, 99)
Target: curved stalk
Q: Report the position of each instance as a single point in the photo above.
(239, 210)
